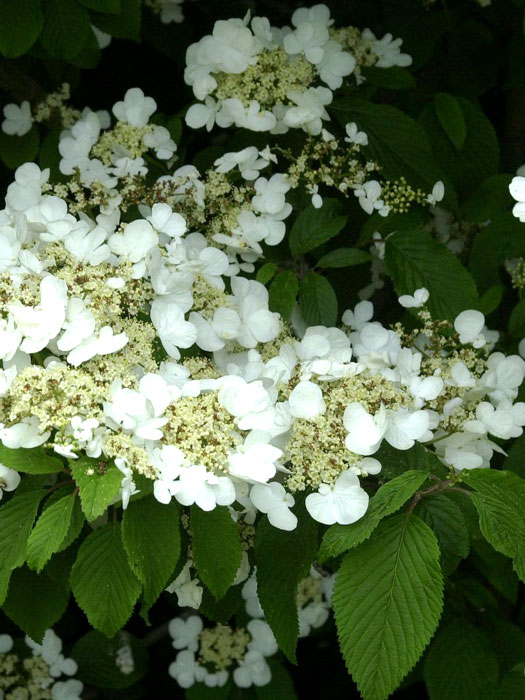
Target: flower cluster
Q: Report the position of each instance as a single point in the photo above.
(97, 322)
(35, 675)
(265, 78)
(210, 655)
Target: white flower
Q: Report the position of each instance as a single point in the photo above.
(197, 485)
(67, 690)
(365, 432)
(189, 593)
(136, 109)
(135, 242)
(437, 194)
(51, 652)
(9, 479)
(88, 246)
(517, 190)
(40, 324)
(419, 298)
(255, 460)
(503, 376)
(273, 500)
(369, 194)
(185, 670)
(6, 643)
(18, 120)
(342, 502)
(185, 633)
(172, 329)
(353, 135)
(252, 670)
(360, 316)
(263, 639)
(335, 64)
(24, 434)
(387, 50)
(306, 400)
(469, 325)
(164, 220)
(160, 140)
(310, 109)
(102, 343)
(405, 427)
(308, 39)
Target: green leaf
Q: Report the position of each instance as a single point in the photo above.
(277, 585)
(151, 538)
(20, 25)
(99, 483)
(283, 292)
(515, 461)
(393, 78)
(344, 257)
(447, 521)
(125, 25)
(395, 141)
(199, 691)
(517, 320)
(491, 299)
(489, 199)
(102, 581)
(496, 568)
(17, 150)
(316, 226)
(224, 609)
(31, 461)
(66, 28)
(388, 597)
(50, 532)
(506, 640)
(479, 156)
(216, 548)
(16, 520)
(414, 259)
(451, 118)
(280, 687)
(75, 526)
(396, 462)
(111, 7)
(460, 665)
(96, 656)
(500, 502)
(503, 238)
(266, 272)
(35, 602)
(389, 498)
(512, 686)
(318, 300)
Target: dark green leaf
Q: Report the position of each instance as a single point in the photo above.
(496, 568)
(479, 157)
(66, 28)
(460, 665)
(125, 25)
(283, 292)
(500, 501)
(17, 150)
(99, 483)
(502, 238)
(489, 199)
(318, 301)
(16, 520)
(316, 226)
(35, 602)
(517, 320)
(96, 656)
(266, 272)
(389, 498)
(31, 461)
(277, 585)
(395, 141)
(512, 686)
(102, 581)
(414, 259)
(446, 520)
(388, 597)
(280, 687)
(216, 548)
(50, 532)
(344, 257)
(111, 7)
(150, 533)
(20, 25)
(393, 78)
(451, 118)
(224, 609)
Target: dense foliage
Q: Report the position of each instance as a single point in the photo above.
(262, 339)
